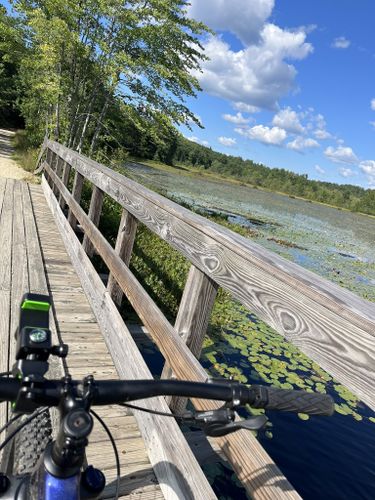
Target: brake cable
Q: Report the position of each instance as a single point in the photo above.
(115, 450)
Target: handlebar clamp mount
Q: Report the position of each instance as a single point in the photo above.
(34, 346)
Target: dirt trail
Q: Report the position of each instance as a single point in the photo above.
(8, 167)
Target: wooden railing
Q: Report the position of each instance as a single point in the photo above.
(331, 325)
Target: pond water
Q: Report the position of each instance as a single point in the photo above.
(324, 458)
(337, 244)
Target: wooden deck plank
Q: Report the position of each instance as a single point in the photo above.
(19, 283)
(6, 236)
(20, 275)
(6, 216)
(88, 354)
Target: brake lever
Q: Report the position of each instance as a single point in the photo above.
(222, 421)
(215, 429)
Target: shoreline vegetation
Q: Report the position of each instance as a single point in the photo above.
(191, 171)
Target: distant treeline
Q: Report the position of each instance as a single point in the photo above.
(180, 151)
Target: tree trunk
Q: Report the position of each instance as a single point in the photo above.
(87, 120)
(99, 125)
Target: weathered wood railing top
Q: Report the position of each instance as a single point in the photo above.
(331, 325)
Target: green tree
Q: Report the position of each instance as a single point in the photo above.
(87, 58)
(12, 48)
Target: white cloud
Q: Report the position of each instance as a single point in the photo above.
(193, 138)
(372, 124)
(319, 169)
(302, 143)
(346, 172)
(368, 168)
(322, 134)
(227, 141)
(257, 76)
(237, 119)
(341, 155)
(372, 104)
(246, 108)
(320, 131)
(261, 133)
(288, 120)
(340, 43)
(244, 18)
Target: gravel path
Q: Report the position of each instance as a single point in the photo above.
(8, 167)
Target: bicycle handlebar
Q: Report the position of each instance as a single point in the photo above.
(108, 392)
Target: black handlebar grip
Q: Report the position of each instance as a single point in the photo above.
(312, 403)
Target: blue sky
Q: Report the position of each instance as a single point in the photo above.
(290, 84)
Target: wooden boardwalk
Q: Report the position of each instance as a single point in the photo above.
(33, 258)
(331, 325)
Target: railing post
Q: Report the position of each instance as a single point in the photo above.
(65, 179)
(192, 320)
(58, 169)
(49, 161)
(124, 247)
(95, 210)
(76, 193)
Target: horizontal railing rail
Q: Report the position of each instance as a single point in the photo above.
(333, 326)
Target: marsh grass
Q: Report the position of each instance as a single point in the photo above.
(25, 154)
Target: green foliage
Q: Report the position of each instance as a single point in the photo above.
(25, 154)
(12, 49)
(88, 66)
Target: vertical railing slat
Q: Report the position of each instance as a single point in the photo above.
(76, 193)
(192, 319)
(59, 162)
(65, 179)
(95, 211)
(124, 247)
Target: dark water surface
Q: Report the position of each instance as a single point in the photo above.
(324, 458)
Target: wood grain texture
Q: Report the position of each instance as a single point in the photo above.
(6, 228)
(20, 271)
(124, 247)
(320, 289)
(175, 467)
(65, 179)
(6, 237)
(331, 325)
(95, 210)
(43, 151)
(240, 448)
(192, 320)
(4, 345)
(55, 163)
(37, 277)
(77, 193)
